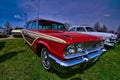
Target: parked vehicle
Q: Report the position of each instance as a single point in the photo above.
(2, 32)
(118, 37)
(110, 39)
(16, 31)
(58, 47)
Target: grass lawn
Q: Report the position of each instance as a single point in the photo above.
(19, 62)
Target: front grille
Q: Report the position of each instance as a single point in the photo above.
(86, 48)
(92, 45)
(112, 40)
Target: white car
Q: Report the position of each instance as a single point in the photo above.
(17, 31)
(110, 39)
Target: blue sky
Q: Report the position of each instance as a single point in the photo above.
(75, 12)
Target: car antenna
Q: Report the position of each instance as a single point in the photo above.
(38, 14)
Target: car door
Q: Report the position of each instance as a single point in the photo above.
(29, 32)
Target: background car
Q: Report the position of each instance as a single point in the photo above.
(118, 37)
(2, 32)
(16, 31)
(110, 39)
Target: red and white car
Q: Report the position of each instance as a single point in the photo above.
(54, 44)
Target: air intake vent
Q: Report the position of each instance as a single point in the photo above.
(67, 36)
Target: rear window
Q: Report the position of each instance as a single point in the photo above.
(89, 29)
(17, 28)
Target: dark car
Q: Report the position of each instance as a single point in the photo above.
(118, 37)
(2, 32)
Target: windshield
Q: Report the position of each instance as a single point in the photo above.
(81, 29)
(89, 29)
(18, 28)
(49, 25)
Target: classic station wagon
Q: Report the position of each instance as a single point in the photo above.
(50, 40)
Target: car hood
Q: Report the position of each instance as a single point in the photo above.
(16, 30)
(72, 37)
(101, 34)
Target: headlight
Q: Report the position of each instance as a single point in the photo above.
(73, 48)
(102, 43)
(79, 48)
(70, 50)
(107, 40)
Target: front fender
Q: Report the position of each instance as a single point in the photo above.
(55, 48)
(37, 42)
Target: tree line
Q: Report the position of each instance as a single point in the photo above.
(7, 27)
(104, 28)
(98, 28)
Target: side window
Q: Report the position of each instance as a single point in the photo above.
(80, 29)
(30, 25)
(26, 25)
(44, 25)
(40, 26)
(61, 27)
(89, 29)
(72, 29)
(54, 26)
(33, 25)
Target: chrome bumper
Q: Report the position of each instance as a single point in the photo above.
(109, 44)
(78, 60)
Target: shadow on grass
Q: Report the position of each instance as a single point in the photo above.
(9, 55)
(109, 47)
(2, 44)
(80, 70)
(17, 36)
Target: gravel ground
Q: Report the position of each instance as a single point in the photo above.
(10, 37)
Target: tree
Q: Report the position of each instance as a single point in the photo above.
(104, 29)
(67, 25)
(8, 27)
(118, 30)
(97, 26)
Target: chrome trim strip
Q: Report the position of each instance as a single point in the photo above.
(82, 54)
(48, 37)
(109, 44)
(26, 40)
(78, 60)
(40, 35)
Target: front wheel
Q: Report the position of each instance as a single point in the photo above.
(45, 59)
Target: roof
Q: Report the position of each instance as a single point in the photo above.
(44, 19)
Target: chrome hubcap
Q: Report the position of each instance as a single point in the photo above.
(45, 58)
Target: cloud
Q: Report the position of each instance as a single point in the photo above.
(17, 16)
(107, 15)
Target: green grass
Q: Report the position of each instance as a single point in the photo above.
(19, 62)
